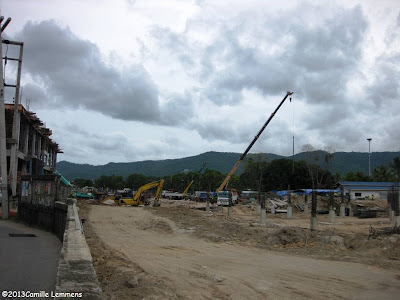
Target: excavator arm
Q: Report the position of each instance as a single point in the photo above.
(158, 193)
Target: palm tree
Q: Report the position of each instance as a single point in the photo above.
(382, 174)
(395, 166)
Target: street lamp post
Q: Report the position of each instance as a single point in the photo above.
(369, 157)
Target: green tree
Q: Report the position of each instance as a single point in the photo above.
(358, 176)
(382, 174)
(252, 177)
(314, 159)
(282, 172)
(212, 179)
(395, 167)
(337, 177)
(135, 181)
(113, 182)
(82, 182)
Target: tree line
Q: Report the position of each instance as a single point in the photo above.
(383, 173)
(259, 174)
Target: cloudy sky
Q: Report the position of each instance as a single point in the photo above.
(131, 80)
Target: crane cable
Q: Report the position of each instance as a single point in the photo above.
(5, 64)
(293, 133)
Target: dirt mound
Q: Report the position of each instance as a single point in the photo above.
(161, 225)
(290, 235)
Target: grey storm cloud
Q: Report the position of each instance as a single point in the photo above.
(71, 73)
(386, 86)
(177, 109)
(316, 62)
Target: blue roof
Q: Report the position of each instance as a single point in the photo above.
(306, 191)
(63, 179)
(354, 185)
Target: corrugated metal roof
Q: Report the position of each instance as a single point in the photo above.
(359, 185)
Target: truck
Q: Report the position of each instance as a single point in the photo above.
(224, 198)
(171, 194)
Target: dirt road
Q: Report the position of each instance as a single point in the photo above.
(174, 264)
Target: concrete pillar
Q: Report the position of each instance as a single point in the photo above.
(391, 215)
(26, 140)
(230, 211)
(263, 215)
(34, 146)
(39, 147)
(314, 223)
(306, 208)
(350, 209)
(272, 209)
(289, 211)
(207, 205)
(55, 161)
(49, 155)
(16, 128)
(289, 207)
(395, 221)
(259, 208)
(332, 215)
(3, 146)
(342, 210)
(14, 150)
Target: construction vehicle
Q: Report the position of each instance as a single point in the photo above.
(222, 192)
(227, 197)
(190, 184)
(173, 195)
(137, 198)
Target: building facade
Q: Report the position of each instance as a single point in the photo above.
(366, 190)
(30, 150)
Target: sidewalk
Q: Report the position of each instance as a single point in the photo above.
(28, 258)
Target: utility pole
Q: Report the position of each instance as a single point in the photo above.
(369, 157)
(16, 120)
(3, 147)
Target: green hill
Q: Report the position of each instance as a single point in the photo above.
(342, 162)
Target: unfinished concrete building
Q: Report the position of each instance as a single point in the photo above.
(30, 150)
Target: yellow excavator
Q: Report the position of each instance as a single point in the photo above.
(137, 198)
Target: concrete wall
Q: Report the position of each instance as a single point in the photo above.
(75, 270)
(368, 194)
(42, 202)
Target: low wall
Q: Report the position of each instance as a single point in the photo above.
(75, 269)
(42, 202)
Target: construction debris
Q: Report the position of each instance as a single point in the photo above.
(374, 233)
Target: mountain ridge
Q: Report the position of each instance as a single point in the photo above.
(341, 162)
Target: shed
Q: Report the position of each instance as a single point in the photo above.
(366, 190)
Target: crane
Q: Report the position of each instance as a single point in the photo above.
(241, 158)
(190, 184)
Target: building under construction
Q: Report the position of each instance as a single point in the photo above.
(31, 151)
